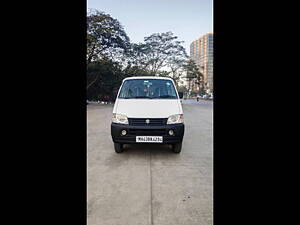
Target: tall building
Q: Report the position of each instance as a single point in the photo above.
(201, 51)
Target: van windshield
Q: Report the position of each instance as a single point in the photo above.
(148, 88)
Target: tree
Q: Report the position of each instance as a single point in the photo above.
(182, 89)
(176, 65)
(106, 37)
(134, 70)
(193, 73)
(106, 76)
(111, 57)
(137, 56)
(158, 51)
(107, 42)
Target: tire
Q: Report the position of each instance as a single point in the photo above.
(118, 147)
(177, 147)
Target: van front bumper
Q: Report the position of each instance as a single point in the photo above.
(133, 131)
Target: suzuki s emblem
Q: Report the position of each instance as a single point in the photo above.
(147, 121)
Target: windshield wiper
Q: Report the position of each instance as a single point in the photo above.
(166, 96)
(147, 97)
(141, 97)
(136, 97)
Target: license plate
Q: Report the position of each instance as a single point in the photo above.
(151, 139)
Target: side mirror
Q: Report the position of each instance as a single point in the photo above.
(180, 94)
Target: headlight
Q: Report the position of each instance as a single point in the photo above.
(118, 118)
(178, 118)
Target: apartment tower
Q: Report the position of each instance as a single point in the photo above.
(201, 51)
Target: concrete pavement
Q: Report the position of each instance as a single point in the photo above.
(148, 184)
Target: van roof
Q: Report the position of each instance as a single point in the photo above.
(148, 77)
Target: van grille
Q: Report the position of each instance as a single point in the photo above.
(152, 132)
(152, 121)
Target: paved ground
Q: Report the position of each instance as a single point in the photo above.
(148, 184)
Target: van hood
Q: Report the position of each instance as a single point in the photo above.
(148, 108)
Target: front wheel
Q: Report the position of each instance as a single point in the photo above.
(118, 147)
(177, 147)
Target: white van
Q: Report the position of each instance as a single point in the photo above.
(147, 110)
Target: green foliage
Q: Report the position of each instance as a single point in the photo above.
(193, 73)
(182, 89)
(192, 70)
(108, 75)
(158, 51)
(202, 91)
(107, 42)
(134, 70)
(111, 57)
(105, 36)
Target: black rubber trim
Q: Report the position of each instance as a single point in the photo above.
(130, 138)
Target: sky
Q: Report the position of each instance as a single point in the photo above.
(187, 19)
